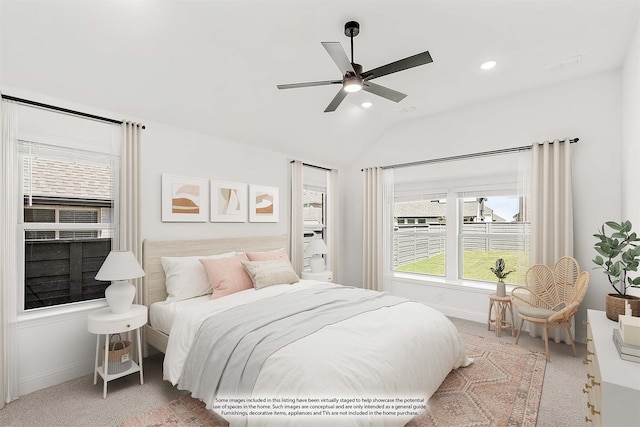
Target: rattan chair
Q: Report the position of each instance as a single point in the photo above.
(548, 301)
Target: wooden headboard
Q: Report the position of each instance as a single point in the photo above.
(153, 283)
(154, 288)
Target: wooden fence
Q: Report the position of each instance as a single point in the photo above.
(415, 244)
(63, 271)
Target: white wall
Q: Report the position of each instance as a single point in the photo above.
(179, 152)
(54, 346)
(631, 135)
(589, 109)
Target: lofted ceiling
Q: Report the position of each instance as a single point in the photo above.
(213, 66)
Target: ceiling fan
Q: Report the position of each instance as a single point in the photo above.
(354, 79)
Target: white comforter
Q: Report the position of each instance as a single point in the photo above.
(404, 351)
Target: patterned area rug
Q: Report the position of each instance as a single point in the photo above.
(501, 387)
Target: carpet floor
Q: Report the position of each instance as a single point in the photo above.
(501, 388)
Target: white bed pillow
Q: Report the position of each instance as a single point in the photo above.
(270, 272)
(186, 277)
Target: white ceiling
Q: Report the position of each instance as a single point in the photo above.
(212, 66)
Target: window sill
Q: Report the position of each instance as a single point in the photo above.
(66, 311)
(442, 282)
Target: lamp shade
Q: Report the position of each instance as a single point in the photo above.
(120, 265)
(317, 247)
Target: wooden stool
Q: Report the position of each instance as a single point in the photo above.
(501, 304)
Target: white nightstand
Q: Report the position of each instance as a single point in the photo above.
(104, 322)
(325, 276)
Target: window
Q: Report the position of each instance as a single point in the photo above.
(499, 229)
(314, 211)
(420, 248)
(455, 222)
(66, 226)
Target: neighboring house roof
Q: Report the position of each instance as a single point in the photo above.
(312, 212)
(429, 209)
(55, 178)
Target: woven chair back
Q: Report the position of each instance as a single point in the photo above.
(566, 271)
(580, 288)
(540, 281)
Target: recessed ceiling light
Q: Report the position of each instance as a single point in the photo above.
(488, 65)
(366, 104)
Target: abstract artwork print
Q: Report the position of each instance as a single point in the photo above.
(228, 201)
(263, 204)
(184, 199)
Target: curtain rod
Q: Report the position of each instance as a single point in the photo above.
(468, 156)
(313, 166)
(62, 110)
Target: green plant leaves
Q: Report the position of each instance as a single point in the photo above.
(618, 254)
(613, 225)
(498, 270)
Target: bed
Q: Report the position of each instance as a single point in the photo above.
(374, 360)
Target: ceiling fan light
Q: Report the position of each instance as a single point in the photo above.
(352, 84)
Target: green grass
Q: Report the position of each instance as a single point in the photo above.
(476, 265)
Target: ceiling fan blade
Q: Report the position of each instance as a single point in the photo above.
(309, 84)
(385, 92)
(336, 101)
(337, 53)
(394, 67)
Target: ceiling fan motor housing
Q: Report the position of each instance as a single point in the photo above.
(351, 29)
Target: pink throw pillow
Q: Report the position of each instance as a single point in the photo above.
(226, 275)
(269, 255)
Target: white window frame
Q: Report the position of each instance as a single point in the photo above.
(110, 151)
(453, 241)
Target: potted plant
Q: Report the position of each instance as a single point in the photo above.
(501, 274)
(619, 255)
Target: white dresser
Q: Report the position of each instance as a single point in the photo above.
(613, 384)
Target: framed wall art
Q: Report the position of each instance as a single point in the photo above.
(264, 204)
(184, 199)
(228, 201)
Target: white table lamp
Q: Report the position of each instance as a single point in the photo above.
(118, 267)
(316, 248)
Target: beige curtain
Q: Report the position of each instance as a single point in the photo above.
(297, 219)
(551, 211)
(8, 237)
(333, 226)
(130, 237)
(3, 320)
(372, 233)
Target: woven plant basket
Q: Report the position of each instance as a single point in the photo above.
(615, 305)
(119, 355)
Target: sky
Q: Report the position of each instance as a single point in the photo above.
(504, 206)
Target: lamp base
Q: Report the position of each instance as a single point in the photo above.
(316, 263)
(119, 295)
